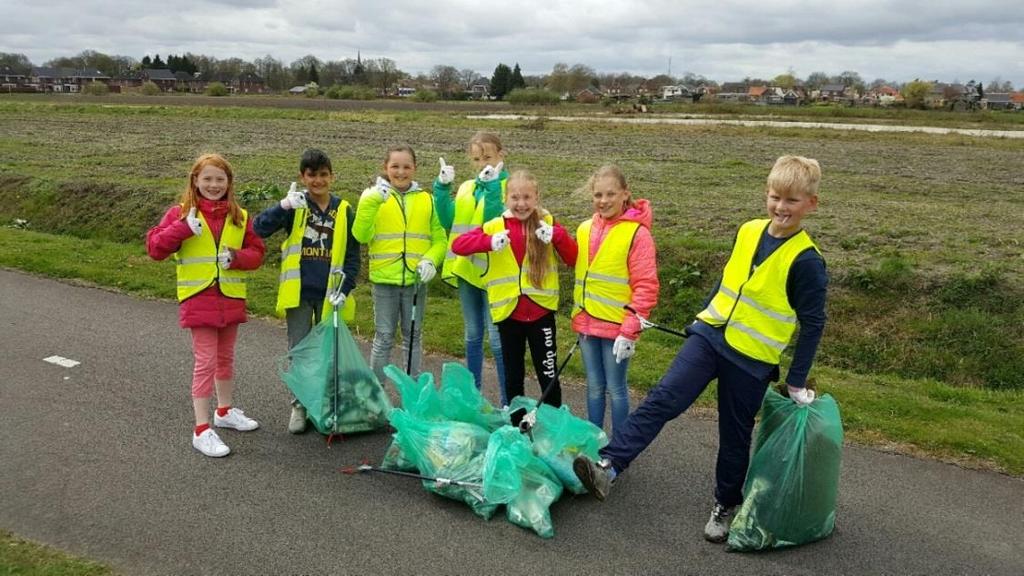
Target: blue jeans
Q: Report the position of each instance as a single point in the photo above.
(604, 378)
(739, 399)
(393, 305)
(476, 315)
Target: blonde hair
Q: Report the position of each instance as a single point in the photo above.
(190, 197)
(482, 137)
(537, 252)
(608, 171)
(795, 174)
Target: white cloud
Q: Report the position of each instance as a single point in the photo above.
(724, 39)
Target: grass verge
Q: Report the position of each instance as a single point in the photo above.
(20, 557)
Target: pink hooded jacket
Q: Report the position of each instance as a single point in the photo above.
(643, 274)
(209, 308)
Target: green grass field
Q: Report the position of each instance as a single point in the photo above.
(925, 344)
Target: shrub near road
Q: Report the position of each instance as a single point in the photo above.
(925, 343)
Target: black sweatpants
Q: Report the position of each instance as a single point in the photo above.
(540, 334)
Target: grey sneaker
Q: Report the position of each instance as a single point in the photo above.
(297, 421)
(595, 476)
(717, 528)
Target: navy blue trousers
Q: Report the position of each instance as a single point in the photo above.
(739, 398)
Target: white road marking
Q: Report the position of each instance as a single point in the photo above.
(62, 361)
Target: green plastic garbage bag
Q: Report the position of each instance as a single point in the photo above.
(461, 400)
(793, 479)
(360, 404)
(420, 400)
(559, 437)
(452, 450)
(514, 476)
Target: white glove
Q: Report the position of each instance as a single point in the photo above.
(447, 173)
(383, 188)
(295, 198)
(499, 241)
(545, 232)
(802, 396)
(224, 258)
(194, 222)
(623, 348)
(491, 173)
(426, 270)
(337, 299)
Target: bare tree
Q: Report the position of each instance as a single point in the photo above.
(446, 78)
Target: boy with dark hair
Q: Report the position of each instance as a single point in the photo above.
(318, 243)
(774, 279)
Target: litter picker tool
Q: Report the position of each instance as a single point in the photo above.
(339, 278)
(470, 487)
(645, 323)
(412, 325)
(525, 420)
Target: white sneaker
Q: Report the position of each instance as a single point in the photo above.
(236, 419)
(297, 421)
(717, 528)
(210, 444)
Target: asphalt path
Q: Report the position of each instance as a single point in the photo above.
(96, 459)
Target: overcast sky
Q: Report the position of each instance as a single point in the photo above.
(721, 39)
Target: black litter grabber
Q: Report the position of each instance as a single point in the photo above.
(472, 488)
(339, 278)
(412, 325)
(525, 420)
(645, 323)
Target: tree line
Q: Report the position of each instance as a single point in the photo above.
(449, 81)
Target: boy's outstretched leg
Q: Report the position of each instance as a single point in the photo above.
(693, 368)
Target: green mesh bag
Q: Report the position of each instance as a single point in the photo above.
(793, 480)
(559, 437)
(356, 402)
(514, 476)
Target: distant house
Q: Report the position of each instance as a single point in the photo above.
(733, 92)
(679, 92)
(758, 94)
(127, 80)
(998, 101)
(588, 96)
(479, 91)
(248, 83)
(185, 82)
(1018, 100)
(162, 77)
(11, 80)
(64, 80)
(406, 91)
(832, 92)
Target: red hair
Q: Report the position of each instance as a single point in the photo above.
(190, 197)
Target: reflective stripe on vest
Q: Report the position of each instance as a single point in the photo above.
(505, 280)
(753, 305)
(289, 290)
(196, 261)
(402, 231)
(602, 285)
(468, 215)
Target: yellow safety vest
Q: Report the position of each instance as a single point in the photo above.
(753, 305)
(196, 261)
(468, 215)
(401, 234)
(602, 286)
(505, 280)
(289, 289)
